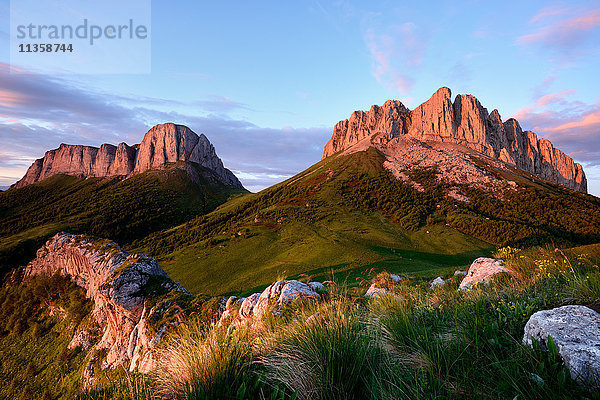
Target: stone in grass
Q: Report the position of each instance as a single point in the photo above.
(317, 287)
(375, 292)
(436, 283)
(576, 332)
(481, 271)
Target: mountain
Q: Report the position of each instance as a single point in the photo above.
(464, 122)
(161, 145)
(408, 191)
(178, 177)
(349, 213)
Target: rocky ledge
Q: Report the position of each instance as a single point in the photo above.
(126, 289)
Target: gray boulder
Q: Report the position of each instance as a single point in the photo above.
(576, 333)
(317, 287)
(436, 283)
(375, 292)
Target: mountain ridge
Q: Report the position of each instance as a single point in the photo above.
(162, 144)
(464, 122)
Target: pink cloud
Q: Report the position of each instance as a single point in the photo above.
(553, 97)
(395, 49)
(565, 35)
(10, 99)
(548, 12)
(584, 122)
(572, 126)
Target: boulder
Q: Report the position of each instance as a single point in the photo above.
(274, 299)
(248, 305)
(317, 287)
(481, 271)
(576, 332)
(459, 272)
(436, 283)
(282, 293)
(375, 292)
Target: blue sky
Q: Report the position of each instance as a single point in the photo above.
(266, 81)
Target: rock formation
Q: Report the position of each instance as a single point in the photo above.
(273, 299)
(125, 288)
(382, 285)
(463, 122)
(576, 332)
(436, 283)
(163, 144)
(481, 271)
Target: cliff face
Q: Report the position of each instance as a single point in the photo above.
(465, 122)
(167, 143)
(125, 289)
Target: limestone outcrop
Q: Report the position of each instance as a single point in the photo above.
(273, 299)
(126, 291)
(163, 144)
(575, 331)
(481, 271)
(463, 122)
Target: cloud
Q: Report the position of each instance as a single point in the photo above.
(546, 12)
(572, 126)
(395, 52)
(37, 113)
(553, 97)
(567, 36)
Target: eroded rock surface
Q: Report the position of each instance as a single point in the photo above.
(121, 285)
(464, 122)
(163, 144)
(576, 332)
(273, 299)
(481, 271)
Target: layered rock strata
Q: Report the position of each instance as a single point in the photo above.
(124, 288)
(163, 144)
(463, 122)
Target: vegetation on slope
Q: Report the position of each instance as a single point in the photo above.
(420, 343)
(123, 210)
(417, 344)
(37, 321)
(348, 214)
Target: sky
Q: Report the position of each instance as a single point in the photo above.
(266, 81)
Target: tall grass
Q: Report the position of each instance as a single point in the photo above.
(449, 344)
(329, 352)
(123, 386)
(204, 363)
(414, 344)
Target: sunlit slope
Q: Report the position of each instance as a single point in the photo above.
(122, 210)
(347, 214)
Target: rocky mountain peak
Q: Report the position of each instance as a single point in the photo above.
(161, 145)
(464, 122)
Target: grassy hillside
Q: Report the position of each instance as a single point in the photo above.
(123, 210)
(348, 214)
(417, 344)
